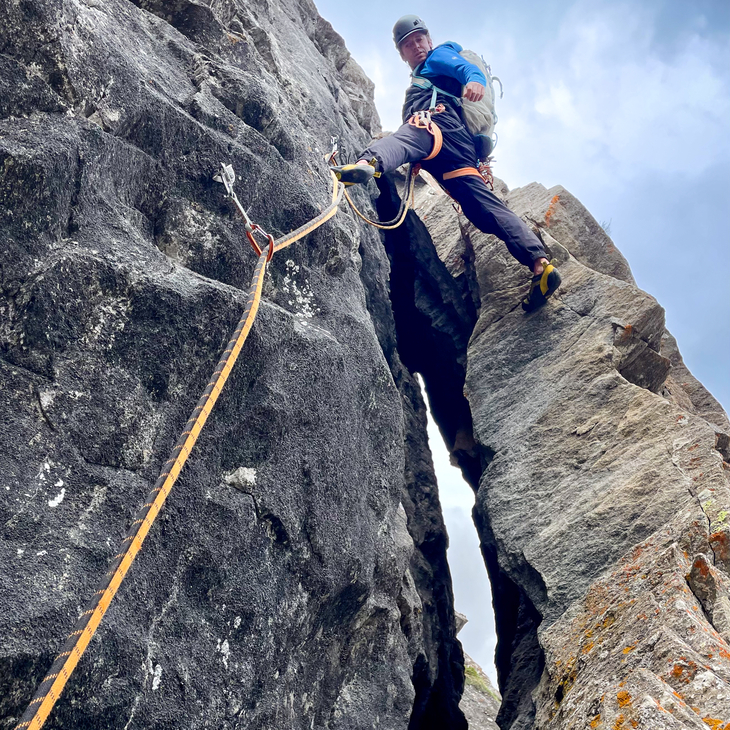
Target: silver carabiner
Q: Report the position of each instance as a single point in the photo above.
(227, 177)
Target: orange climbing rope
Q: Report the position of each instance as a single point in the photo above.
(52, 685)
(406, 203)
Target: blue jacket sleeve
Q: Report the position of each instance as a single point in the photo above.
(445, 60)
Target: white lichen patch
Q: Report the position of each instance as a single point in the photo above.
(237, 622)
(44, 471)
(198, 223)
(156, 677)
(109, 319)
(225, 649)
(242, 478)
(47, 397)
(300, 295)
(58, 498)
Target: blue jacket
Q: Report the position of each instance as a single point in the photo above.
(447, 70)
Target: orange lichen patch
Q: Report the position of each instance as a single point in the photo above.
(719, 544)
(620, 723)
(684, 672)
(627, 334)
(716, 724)
(624, 698)
(634, 723)
(587, 648)
(608, 621)
(629, 649)
(595, 721)
(551, 210)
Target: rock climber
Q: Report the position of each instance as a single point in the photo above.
(454, 166)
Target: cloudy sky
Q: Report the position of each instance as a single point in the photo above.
(627, 105)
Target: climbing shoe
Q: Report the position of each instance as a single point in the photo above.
(542, 286)
(353, 174)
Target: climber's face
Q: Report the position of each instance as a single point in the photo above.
(415, 48)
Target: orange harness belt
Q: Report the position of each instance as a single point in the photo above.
(461, 172)
(422, 120)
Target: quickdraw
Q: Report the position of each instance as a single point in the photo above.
(485, 170)
(227, 177)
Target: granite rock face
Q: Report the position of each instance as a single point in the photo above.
(604, 500)
(297, 576)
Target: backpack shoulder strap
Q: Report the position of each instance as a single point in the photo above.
(423, 83)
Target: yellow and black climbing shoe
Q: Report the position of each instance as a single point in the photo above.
(542, 286)
(353, 174)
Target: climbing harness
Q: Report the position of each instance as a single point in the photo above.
(423, 120)
(423, 83)
(52, 685)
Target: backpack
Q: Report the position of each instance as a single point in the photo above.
(479, 116)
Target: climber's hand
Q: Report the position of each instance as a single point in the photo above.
(474, 91)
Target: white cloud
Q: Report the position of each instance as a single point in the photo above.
(603, 102)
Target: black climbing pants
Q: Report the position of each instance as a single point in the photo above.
(480, 205)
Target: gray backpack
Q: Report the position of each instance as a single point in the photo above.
(480, 116)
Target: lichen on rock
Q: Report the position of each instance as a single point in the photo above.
(283, 585)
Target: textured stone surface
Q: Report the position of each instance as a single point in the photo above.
(297, 576)
(603, 508)
(480, 701)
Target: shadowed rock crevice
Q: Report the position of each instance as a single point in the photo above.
(434, 315)
(434, 319)
(438, 667)
(519, 658)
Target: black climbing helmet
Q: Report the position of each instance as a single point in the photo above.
(405, 26)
